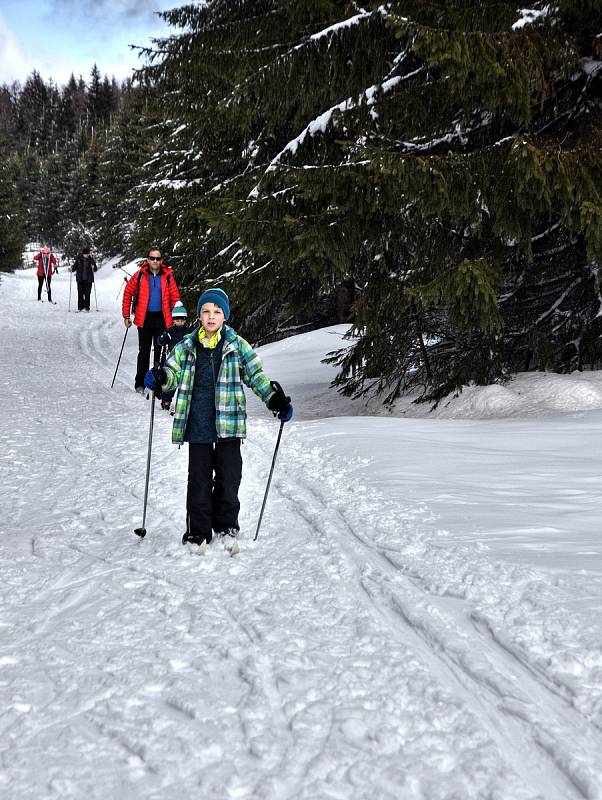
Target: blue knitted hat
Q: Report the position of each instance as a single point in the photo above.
(216, 296)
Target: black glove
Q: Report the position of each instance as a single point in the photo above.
(279, 403)
(160, 375)
(164, 338)
(154, 379)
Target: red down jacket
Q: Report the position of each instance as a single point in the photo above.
(51, 264)
(139, 285)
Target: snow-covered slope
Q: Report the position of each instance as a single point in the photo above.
(419, 618)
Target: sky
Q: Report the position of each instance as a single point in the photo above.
(419, 617)
(58, 37)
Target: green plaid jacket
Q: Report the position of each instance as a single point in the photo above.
(240, 364)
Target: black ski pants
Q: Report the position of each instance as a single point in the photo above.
(83, 295)
(214, 475)
(41, 281)
(154, 324)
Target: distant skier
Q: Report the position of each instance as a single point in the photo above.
(47, 265)
(150, 294)
(209, 367)
(84, 268)
(170, 339)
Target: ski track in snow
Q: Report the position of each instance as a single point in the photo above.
(469, 657)
(343, 655)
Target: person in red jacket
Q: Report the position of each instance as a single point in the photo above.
(47, 266)
(150, 295)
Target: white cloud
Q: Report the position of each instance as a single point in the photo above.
(109, 12)
(58, 61)
(13, 59)
(16, 64)
(65, 36)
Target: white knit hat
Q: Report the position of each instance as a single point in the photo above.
(178, 311)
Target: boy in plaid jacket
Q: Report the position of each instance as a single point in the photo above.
(208, 368)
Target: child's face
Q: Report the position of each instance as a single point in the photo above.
(179, 322)
(212, 317)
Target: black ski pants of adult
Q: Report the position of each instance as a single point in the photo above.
(83, 295)
(41, 281)
(214, 475)
(154, 324)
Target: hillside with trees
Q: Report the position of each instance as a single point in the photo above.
(428, 171)
(70, 155)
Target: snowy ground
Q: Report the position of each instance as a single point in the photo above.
(419, 618)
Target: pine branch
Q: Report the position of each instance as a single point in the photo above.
(319, 124)
(558, 302)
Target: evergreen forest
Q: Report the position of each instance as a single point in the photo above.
(428, 172)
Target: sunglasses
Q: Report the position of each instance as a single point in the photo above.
(155, 258)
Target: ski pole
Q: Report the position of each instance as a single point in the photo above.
(120, 352)
(141, 532)
(267, 489)
(70, 282)
(95, 297)
(46, 263)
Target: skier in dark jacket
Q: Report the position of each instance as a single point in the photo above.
(170, 339)
(84, 268)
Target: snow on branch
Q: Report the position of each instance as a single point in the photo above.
(459, 134)
(329, 31)
(346, 23)
(558, 302)
(528, 16)
(320, 123)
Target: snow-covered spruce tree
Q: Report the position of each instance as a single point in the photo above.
(99, 163)
(12, 236)
(36, 113)
(65, 198)
(74, 204)
(178, 171)
(55, 139)
(130, 144)
(211, 139)
(101, 102)
(72, 109)
(443, 156)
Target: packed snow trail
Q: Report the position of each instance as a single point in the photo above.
(351, 652)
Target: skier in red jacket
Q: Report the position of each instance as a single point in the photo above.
(47, 266)
(150, 294)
